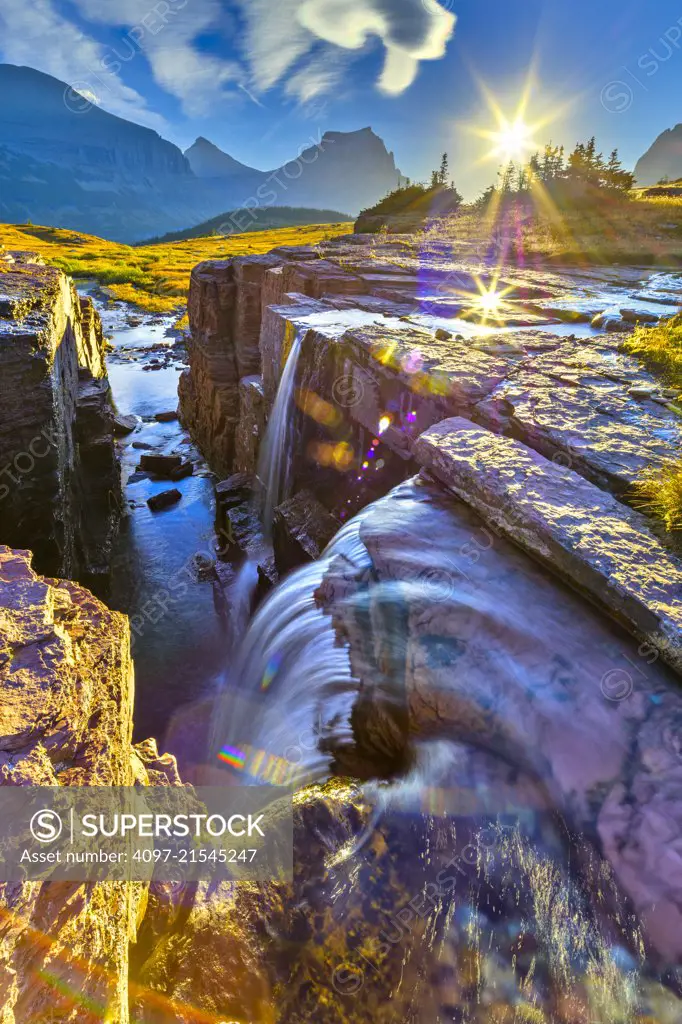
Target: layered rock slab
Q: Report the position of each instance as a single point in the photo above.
(396, 327)
(59, 481)
(66, 680)
(589, 406)
(578, 530)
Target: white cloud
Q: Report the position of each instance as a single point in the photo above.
(37, 35)
(303, 45)
(166, 32)
(280, 34)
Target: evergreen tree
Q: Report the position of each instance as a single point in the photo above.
(615, 177)
(456, 196)
(508, 177)
(444, 171)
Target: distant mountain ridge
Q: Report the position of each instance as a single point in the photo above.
(74, 165)
(663, 159)
(340, 171)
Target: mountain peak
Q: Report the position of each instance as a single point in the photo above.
(209, 161)
(663, 159)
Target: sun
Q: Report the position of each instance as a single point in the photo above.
(513, 141)
(514, 133)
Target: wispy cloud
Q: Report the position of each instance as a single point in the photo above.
(281, 35)
(168, 34)
(39, 36)
(302, 46)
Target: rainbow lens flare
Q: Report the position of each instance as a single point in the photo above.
(232, 756)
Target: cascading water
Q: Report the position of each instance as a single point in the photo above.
(272, 487)
(496, 677)
(275, 455)
(292, 685)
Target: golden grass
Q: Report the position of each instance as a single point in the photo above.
(659, 493)
(153, 277)
(660, 348)
(630, 230)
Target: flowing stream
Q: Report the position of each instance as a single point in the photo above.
(178, 628)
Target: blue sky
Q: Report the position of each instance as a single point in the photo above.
(262, 78)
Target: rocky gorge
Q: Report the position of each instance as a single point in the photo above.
(60, 487)
(430, 601)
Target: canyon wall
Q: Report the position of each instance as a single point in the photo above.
(66, 679)
(59, 477)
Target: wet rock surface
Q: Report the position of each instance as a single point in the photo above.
(467, 640)
(581, 532)
(60, 487)
(301, 531)
(66, 677)
(164, 500)
(460, 669)
(404, 328)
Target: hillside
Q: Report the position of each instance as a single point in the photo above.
(273, 218)
(153, 277)
(67, 162)
(635, 230)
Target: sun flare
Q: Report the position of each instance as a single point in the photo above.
(489, 302)
(513, 141)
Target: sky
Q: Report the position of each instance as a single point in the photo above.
(263, 78)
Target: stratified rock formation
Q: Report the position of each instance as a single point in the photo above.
(66, 705)
(59, 478)
(397, 338)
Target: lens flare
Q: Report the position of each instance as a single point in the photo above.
(513, 140)
(232, 756)
(271, 670)
(489, 303)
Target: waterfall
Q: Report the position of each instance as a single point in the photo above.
(291, 683)
(274, 463)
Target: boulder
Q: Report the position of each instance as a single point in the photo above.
(124, 425)
(166, 417)
(160, 465)
(637, 316)
(165, 499)
(302, 528)
(182, 472)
